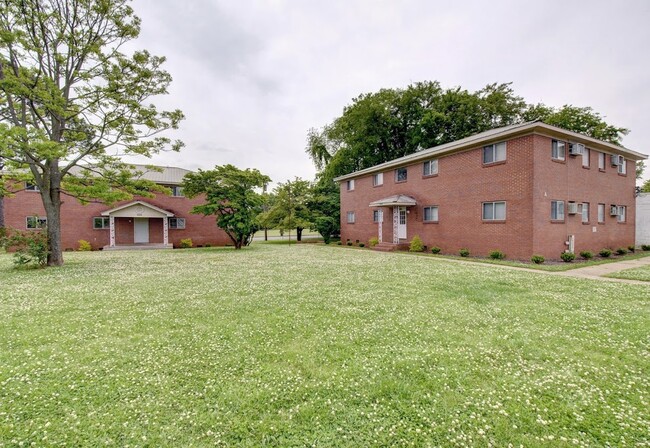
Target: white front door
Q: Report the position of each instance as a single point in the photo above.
(401, 228)
(140, 230)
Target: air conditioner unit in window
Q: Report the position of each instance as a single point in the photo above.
(613, 210)
(576, 149)
(615, 160)
(572, 208)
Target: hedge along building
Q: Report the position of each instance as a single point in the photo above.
(524, 189)
(158, 222)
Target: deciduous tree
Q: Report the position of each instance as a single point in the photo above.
(72, 101)
(289, 208)
(233, 195)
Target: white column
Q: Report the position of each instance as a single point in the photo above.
(165, 230)
(381, 225)
(111, 226)
(396, 225)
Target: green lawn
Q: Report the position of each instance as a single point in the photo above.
(309, 345)
(641, 273)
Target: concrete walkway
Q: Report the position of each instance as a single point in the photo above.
(598, 271)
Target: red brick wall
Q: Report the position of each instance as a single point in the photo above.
(77, 221)
(527, 181)
(569, 181)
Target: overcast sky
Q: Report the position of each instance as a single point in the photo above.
(253, 76)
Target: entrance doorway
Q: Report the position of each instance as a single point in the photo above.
(141, 230)
(401, 227)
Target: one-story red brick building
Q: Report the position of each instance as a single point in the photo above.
(524, 189)
(158, 222)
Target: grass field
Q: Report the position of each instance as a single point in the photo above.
(640, 273)
(307, 345)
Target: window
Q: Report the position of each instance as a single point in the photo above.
(494, 211)
(558, 150)
(622, 166)
(378, 179)
(350, 185)
(101, 222)
(585, 212)
(31, 187)
(377, 216)
(621, 213)
(36, 222)
(494, 153)
(601, 213)
(585, 158)
(176, 223)
(557, 210)
(431, 213)
(350, 217)
(176, 191)
(400, 175)
(430, 167)
(601, 161)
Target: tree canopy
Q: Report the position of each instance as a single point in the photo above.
(72, 102)
(378, 127)
(233, 196)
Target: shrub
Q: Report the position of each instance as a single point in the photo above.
(497, 255)
(338, 243)
(645, 247)
(362, 245)
(605, 253)
(326, 226)
(185, 243)
(416, 244)
(621, 251)
(631, 249)
(31, 247)
(567, 257)
(349, 243)
(435, 250)
(84, 246)
(464, 252)
(586, 255)
(537, 259)
(372, 242)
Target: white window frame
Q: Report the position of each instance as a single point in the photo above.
(179, 223)
(430, 167)
(377, 179)
(496, 152)
(350, 185)
(377, 216)
(397, 174)
(493, 206)
(557, 211)
(622, 210)
(585, 212)
(177, 191)
(31, 187)
(105, 222)
(35, 222)
(558, 150)
(622, 168)
(433, 210)
(586, 159)
(602, 161)
(601, 213)
(351, 217)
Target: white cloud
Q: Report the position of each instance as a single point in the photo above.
(253, 76)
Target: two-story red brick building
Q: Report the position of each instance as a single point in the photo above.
(158, 222)
(524, 189)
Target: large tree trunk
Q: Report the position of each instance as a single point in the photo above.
(51, 195)
(299, 233)
(2, 212)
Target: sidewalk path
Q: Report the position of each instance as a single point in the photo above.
(598, 271)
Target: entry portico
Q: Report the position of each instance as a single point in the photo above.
(399, 204)
(135, 218)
